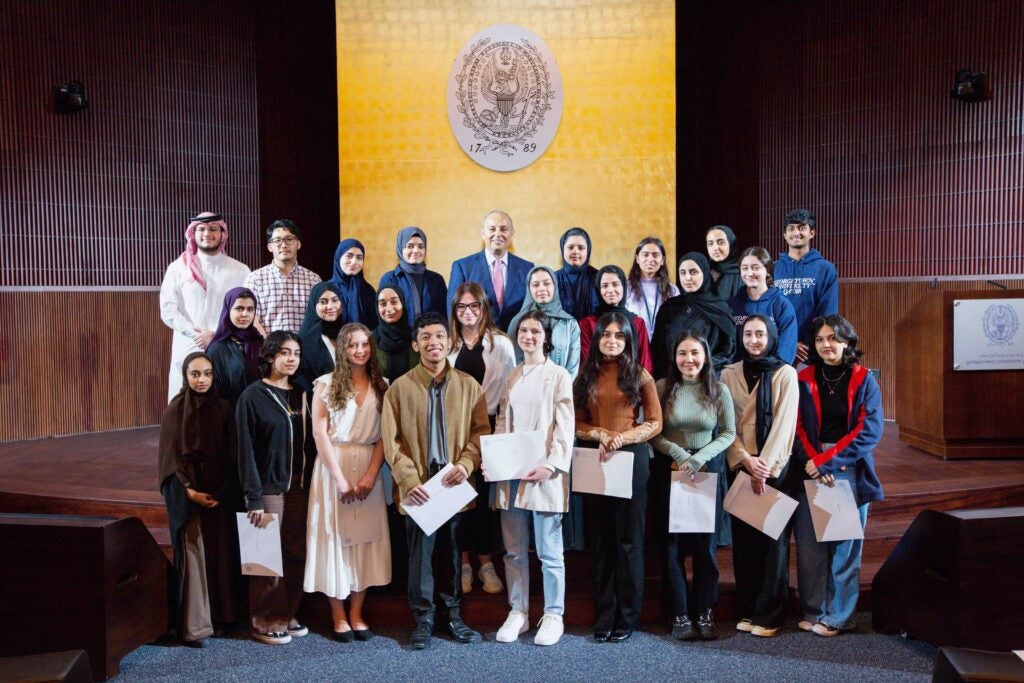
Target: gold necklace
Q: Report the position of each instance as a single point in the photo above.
(832, 384)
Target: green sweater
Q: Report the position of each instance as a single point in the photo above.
(689, 425)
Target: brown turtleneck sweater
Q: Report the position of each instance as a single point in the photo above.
(611, 414)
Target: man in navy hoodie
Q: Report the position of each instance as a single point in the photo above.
(808, 280)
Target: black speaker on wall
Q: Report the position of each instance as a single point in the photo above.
(955, 579)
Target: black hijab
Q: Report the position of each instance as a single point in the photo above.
(762, 368)
(729, 281)
(316, 360)
(713, 307)
(603, 307)
(394, 339)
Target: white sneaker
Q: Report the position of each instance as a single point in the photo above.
(467, 578)
(489, 577)
(550, 630)
(515, 625)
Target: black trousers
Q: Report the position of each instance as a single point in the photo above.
(478, 527)
(434, 566)
(615, 529)
(701, 547)
(762, 570)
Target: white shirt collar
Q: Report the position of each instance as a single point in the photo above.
(491, 258)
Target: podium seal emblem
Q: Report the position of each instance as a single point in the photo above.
(1000, 324)
(504, 97)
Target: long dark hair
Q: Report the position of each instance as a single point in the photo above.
(709, 390)
(845, 333)
(272, 346)
(629, 371)
(664, 286)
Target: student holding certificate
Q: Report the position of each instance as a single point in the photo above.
(537, 397)
(840, 424)
(346, 427)
(612, 392)
(765, 398)
(694, 405)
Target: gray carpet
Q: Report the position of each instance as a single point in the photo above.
(650, 656)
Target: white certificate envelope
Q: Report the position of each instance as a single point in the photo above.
(511, 456)
(692, 503)
(611, 478)
(260, 547)
(444, 503)
(833, 511)
(363, 521)
(767, 512)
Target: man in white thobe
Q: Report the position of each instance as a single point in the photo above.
(193, 290)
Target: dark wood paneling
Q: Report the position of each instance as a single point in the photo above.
(75, 362)
(101, 198)
(844, 108)
(876, 308)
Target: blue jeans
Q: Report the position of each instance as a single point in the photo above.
(547, 531)
(828, 573)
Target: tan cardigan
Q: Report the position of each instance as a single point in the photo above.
(404, 425)
(559, 421)
(779, 445)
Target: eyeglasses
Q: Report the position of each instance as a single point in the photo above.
(278, 241)
(462, 308)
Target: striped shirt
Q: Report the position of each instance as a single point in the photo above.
(282, 300)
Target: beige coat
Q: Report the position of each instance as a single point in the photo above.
(403, 425)
(557, 418)
(779, 444)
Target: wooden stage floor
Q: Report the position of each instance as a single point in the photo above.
(115, 474)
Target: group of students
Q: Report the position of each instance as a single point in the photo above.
(376, 392)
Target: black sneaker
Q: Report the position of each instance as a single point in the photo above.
(706, 625)
(682, 628)
(420, 637)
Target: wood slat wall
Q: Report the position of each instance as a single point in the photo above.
(75, 362)
(875, 308)
(101, 198)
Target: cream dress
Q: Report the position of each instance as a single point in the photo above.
(331, 567)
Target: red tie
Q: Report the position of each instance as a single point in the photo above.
(498, 279)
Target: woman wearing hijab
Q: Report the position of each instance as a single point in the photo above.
(649, 286)
(610, 286)
(542, 295)
(393, 336)
(695, 309)
(725, 262)
(424, 290)
(576, 277)
(235, 349)
(357, 296)
(839, 427)
(318, 333)
(761, 297)
(196, 441)
(765, 398)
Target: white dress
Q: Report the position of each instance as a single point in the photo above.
(331, 567)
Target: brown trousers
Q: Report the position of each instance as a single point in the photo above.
(195, 609)
(274, 601)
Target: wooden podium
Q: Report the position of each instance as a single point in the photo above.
(954, 415)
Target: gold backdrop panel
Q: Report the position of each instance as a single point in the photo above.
(611, 168)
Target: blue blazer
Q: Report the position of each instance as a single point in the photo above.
(473, 268)
(435, 293)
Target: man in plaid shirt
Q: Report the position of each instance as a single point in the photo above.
(282, 287)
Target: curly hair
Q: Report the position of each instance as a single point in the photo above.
(341, 379)
(629, 371)
(272, 346)
(709, 390)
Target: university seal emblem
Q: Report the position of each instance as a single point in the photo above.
(504, 97)
(1000, 324)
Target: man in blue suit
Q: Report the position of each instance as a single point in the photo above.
(501, 275)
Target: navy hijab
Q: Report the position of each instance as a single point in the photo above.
(576, 283)
(358, 300)
(762, 368)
